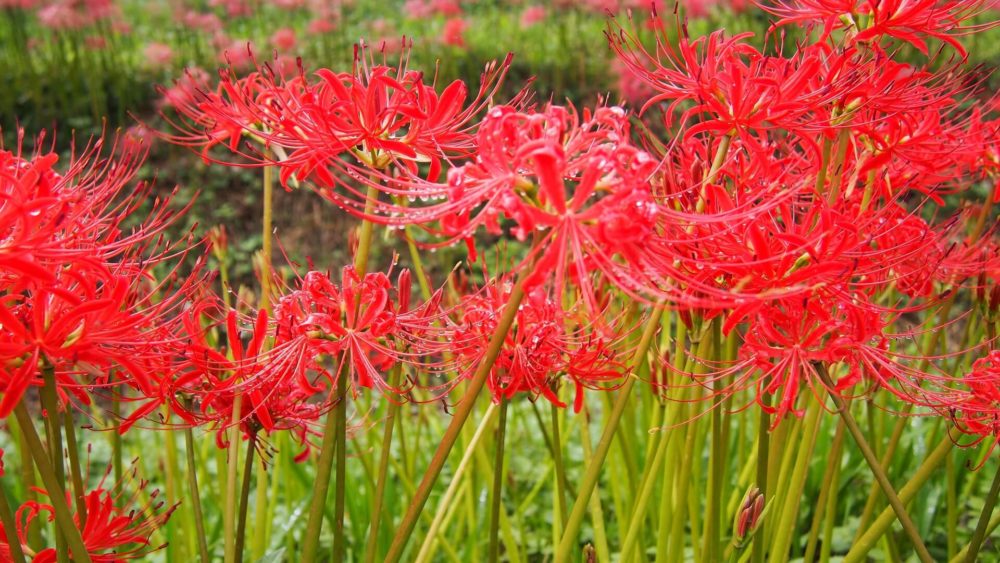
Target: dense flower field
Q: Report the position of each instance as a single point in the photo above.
(579, 281)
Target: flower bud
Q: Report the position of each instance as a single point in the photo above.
(748, 517)
(220, 242)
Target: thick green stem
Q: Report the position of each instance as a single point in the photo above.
(241, 527)
(7, 519)
(951, 510)
(383, 470)
(557, 459)
(462, 413)
(860, 548)
(785, 524)
(596, 511)
(496, 500)
(453, 487)
(116, 439)
(74, 468)
(661, 441)
(192, 471)
(64, 520)
(712, 536)
(336, 427)
(825, 492)
(763, 448)
(233, 459)
(568, 542)
(340, 491)
(321, 485)
(34, 531)
(873, 462)
(53, 434)
(266, 236)
(873, 495)
(984, 520)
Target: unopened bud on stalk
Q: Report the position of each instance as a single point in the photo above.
(353, 240)
(220, 243)
(589, 554)
(748, 517)
(994, 302)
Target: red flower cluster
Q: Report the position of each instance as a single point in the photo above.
(279, 373)
(343, 130)
(545, 344)
(794, 195)
(118, 525)
(81, 293)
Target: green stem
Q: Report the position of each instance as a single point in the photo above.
(74, 468)
(241, 527)
(263, 516)
(873, 462)
(960, 556)
(232, 462)
(446, 500)
(116, 438)
(192, 471)
(785, 529)
(340, 491)
(984, 519)
(336, 426)
(661, 441)
(53, 433)
(763, 448)
(266, 236)
(494, 552)
(462, 413)
(383, 470)
(825, 492)
(873, 494)
(860, 548)
(951, 511)
(596, 510)
(34, 531)
(557, 459)
(64, 520)
(321, 485)
(568, 542)
(7, 519)
(712, 536)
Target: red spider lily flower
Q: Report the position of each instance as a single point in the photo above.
(785, 339)
(364, 323)
(571, 181)
(342, 129)
(974, 406)
(538, 351)
(725, 86)
(280, 388)
(79, 294)
(868, 21)
(118, 527)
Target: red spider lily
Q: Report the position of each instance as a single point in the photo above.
(575, 184)
(89, 301)
(283, 377)
(975, 407)
(81, 319)
(539, 349)
(785, 339)
(273, 387)
(364, 323)
(118, 525)
(337, 129)
(869, 21)
(79, 216)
